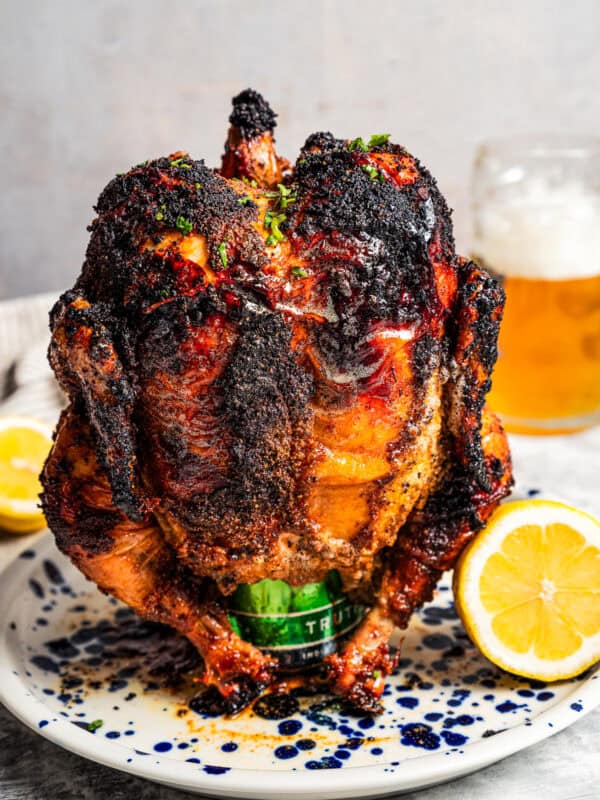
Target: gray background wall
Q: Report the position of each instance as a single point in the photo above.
(88, 88)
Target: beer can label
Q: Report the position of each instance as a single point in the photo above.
(298, 625)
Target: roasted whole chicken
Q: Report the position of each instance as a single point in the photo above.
(275, 371)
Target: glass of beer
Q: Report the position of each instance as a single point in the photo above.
(536, 204)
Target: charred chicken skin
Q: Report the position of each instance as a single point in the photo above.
(275, 371)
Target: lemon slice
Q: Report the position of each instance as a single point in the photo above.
(24, 445)
(528, 589)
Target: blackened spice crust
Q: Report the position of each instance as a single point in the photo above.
(474, 331)
(337, 194)
(266, 405)
(251, 114)
(175, 193)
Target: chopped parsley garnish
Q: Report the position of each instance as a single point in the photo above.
(377, 674)
(160, 214)
(358, 144)
(283, 195)
(181, 163)
(165, 293)
(302, 162)
(372, 172)
(93, 726)
(184, 225)
(299, 272)
(222, 251)
(198, 185)
(273, 221)
(243, 201)
(378, 139)
(286, 201)
(251, 182)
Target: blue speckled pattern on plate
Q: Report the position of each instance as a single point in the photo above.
(447, 710)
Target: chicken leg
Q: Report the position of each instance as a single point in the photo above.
(428, 545)
(131, 560)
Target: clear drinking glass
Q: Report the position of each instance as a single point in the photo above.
(536, 206)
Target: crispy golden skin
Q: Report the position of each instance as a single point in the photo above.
(275, 371)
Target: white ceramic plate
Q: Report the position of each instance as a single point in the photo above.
(448, 711)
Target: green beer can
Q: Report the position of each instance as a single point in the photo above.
(298, 625)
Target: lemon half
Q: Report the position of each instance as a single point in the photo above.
(528, 589)
(24, 446)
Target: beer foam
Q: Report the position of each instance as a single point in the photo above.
(540, 230)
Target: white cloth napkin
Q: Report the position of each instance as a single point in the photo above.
(27, 385)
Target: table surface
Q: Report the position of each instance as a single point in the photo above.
(566, 766)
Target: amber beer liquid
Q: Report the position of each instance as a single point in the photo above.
(547, 379)
(546, 248)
